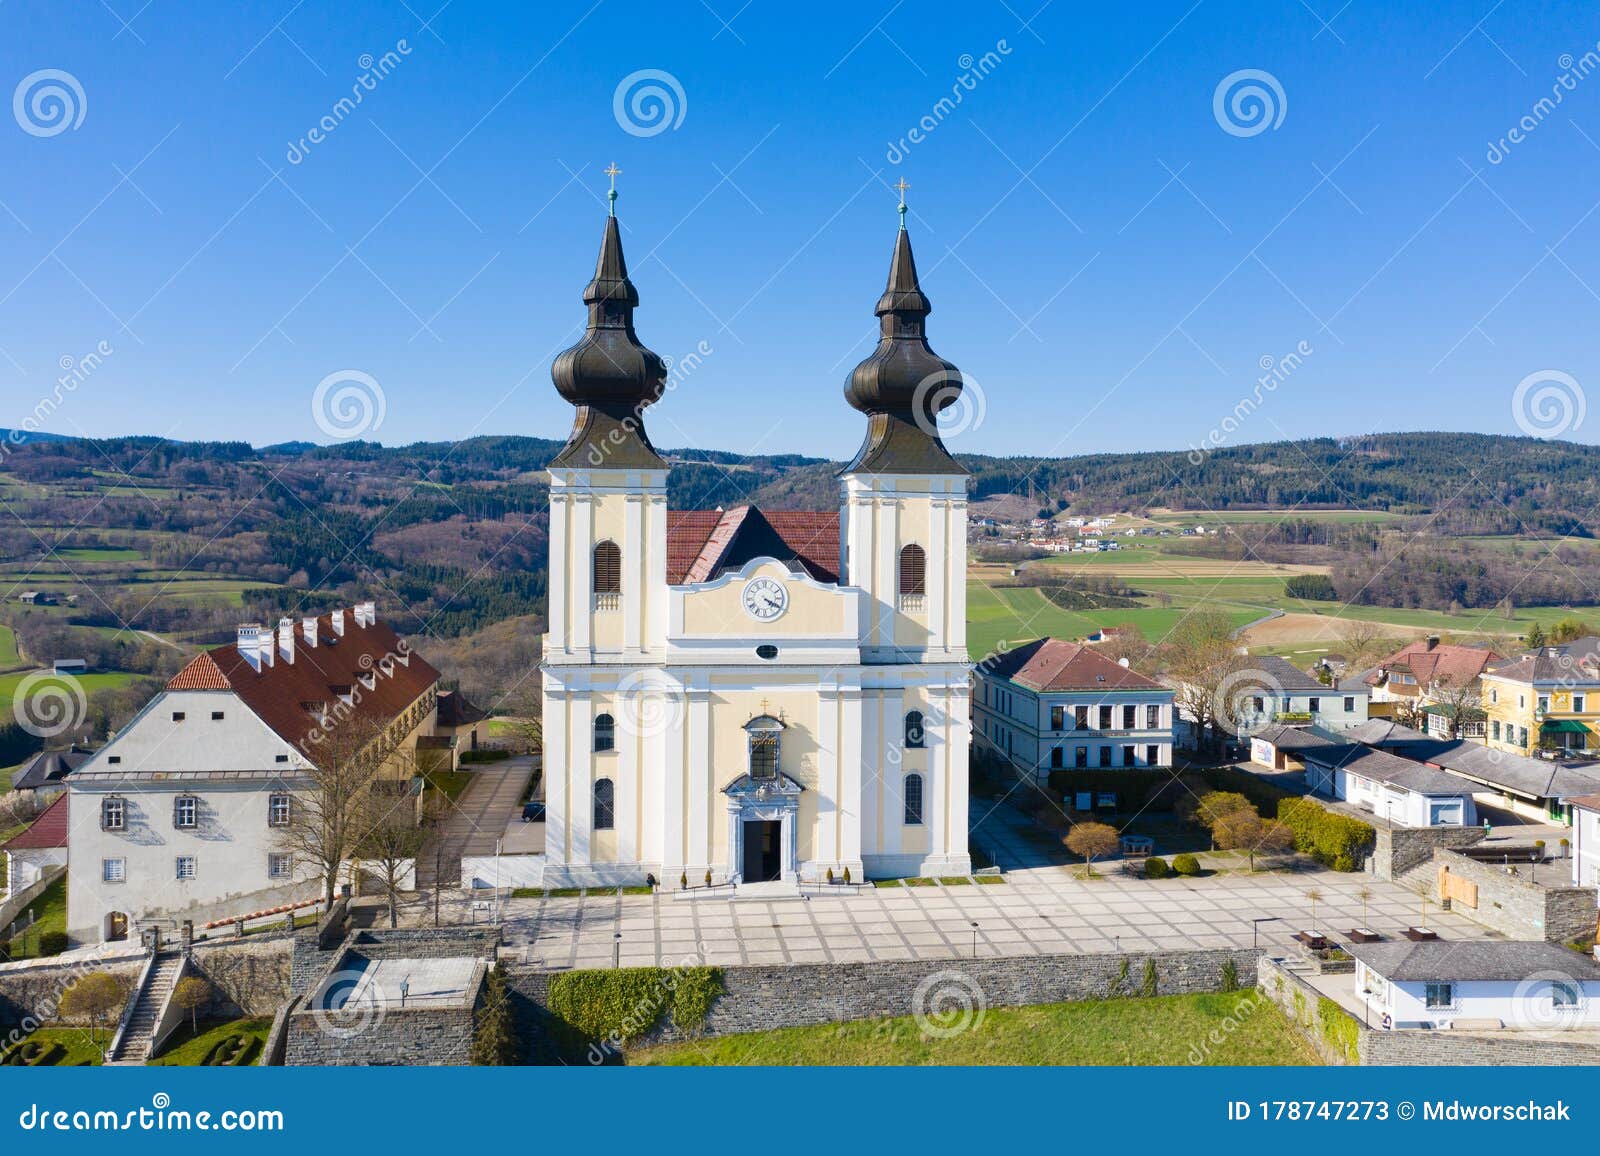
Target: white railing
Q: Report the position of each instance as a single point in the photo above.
(911, 603)
(608, 601)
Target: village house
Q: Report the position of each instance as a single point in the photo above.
(1476, 985)
(1548, 700)
(1585, 840)
(36, 850)
(1434, 686)
(1397, 790)
(1290, 695)
(1053, 705)
(182, 814)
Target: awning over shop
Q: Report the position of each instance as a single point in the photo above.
(1563, 726)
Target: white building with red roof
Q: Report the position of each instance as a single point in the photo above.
(41, 847)
(182, 814)
(1050, 705)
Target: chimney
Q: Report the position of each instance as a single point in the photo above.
(286, 639)
(337, 620)
(308, 629)
(1433, 641)
(247, 643)
(366, 613)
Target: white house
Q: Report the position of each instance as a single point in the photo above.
(1279, 691)
(758, 696)
(1050, 705)
(181, 815)
(1397, 790)
(1586, 841)
(1477, 985)
(38, 849)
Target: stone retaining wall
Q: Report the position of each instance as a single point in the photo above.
(30, 993)
(248, 977)
(762, 998)
(1516, 906)
(1398, 849)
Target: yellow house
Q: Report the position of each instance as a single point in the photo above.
(1546, 700)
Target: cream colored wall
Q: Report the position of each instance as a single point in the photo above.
(798, 753)
(813, 609)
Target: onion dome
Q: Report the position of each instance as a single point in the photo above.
(903, 385)
(609, 374)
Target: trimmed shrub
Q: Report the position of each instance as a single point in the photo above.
(624, 1004)
(1334, 840)
(483, 756)
(1230, 975)
(1156, 867)
(1185, 864)
(53, 943)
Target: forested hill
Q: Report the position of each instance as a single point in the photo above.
(1474, 483)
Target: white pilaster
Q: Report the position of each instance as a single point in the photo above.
(701, 790)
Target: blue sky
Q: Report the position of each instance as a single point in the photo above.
(1107, 263)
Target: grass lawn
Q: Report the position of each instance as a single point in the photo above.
(10, 657)
(1121, 1032)
(450, 783)
(96, 554)
(69, 1047)
(51, 910)
(186, 1049)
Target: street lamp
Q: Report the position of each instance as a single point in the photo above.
(616, 949)
(1255, 928)
(974, 939)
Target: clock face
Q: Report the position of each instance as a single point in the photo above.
(765, 599)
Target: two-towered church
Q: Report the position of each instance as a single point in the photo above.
(761, 695)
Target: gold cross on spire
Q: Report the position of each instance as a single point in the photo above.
(613, 172)
(902, 184)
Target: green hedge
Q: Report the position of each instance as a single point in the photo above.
(1335, 840)
(623, 1004)
(483, 756)
(53, 942)
(1338, 1029)
(1134, 788)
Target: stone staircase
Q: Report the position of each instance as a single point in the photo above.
(134, 1045)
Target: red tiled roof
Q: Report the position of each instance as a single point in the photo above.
(703, 543)
(278, 694)
(1052, 664)
(47, 831)
(1442, 663)
(202, 673)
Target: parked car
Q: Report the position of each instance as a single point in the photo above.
(533, 811)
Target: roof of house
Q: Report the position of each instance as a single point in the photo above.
(1358, 683)
(286, 695)
(1382, 767)
(1293, 738)
(456, 711)
(1566, 662)
(1286, 674)
(1587, 802)
(1432, 662)
(47, 831)
(1533, 778)
(703, 544)
(1052, 664)
(48, 767)
(1473, 959)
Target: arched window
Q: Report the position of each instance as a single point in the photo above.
(764, 731)
(913, 571)
(607, 574)
(913, 799)
(605, 805)
(605, 732)
(914, 735)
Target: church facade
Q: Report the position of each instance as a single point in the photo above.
(748, 695)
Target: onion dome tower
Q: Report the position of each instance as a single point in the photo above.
(609, 375)
(903, 385)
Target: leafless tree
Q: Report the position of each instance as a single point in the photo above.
(1458, 703)
(1199, 655)
(392, 836)
(325, 819)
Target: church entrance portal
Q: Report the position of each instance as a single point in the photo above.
(763, 850)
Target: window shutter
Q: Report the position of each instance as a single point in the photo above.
(607, 568)
(913, 570)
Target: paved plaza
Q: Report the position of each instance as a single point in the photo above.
(1037, 911)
